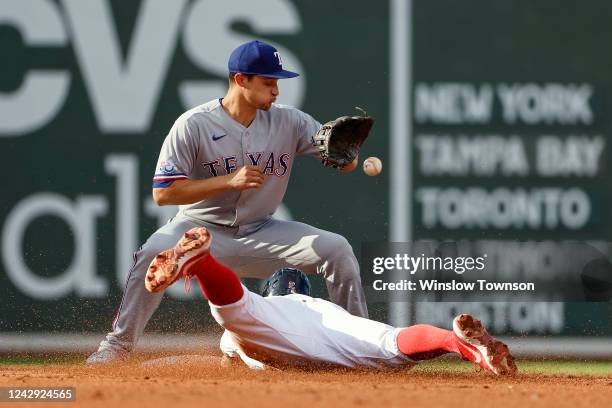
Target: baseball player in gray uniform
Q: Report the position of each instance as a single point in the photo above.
(227, 163)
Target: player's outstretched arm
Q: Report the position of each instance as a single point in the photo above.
(339, 141)
(183, 192)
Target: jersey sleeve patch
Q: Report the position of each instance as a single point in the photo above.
(167, 172)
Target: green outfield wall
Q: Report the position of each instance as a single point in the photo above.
(510, 110)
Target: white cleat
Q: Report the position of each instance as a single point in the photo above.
(477, 345)
(105, 356)
(171, 265)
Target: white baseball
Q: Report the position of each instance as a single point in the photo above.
(372, 166)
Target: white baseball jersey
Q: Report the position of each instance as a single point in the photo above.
(299, 330)
(206, 142)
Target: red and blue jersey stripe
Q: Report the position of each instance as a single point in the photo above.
(164, 180)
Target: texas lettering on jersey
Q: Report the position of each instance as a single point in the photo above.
(206, 142)
(268, 163)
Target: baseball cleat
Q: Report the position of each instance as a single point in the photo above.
(104, 356)
(171, 265)
(477, 345)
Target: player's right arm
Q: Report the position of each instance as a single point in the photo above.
(177, 183)
(188, 191)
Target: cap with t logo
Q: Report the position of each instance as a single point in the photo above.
(258, 58)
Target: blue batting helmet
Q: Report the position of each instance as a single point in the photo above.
(286, 281)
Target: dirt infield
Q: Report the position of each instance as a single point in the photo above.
(200, 381)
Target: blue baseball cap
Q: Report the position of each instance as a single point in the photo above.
(258, 58)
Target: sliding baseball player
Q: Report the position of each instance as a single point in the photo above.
(287, 327)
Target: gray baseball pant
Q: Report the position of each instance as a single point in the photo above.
(251, 254)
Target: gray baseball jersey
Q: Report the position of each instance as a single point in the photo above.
(206, 142)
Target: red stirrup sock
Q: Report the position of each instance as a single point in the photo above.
(219, 283)
(423, 342)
